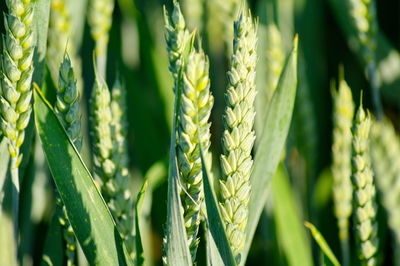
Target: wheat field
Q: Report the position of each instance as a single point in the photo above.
(199, 132)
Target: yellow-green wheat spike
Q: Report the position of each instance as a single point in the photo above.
(100, 21)
(385, 153)
(67, 110)
(238, 137)
(110, 165)
(60, 39)
(365, 208)
(117, 188)
(177, 38)
(16, 76)
(343, 114)
(193, 131)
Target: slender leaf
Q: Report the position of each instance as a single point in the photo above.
(89, 216)
(138, 209)
(272, 143)
(289, 229)
(322, 243)
(214, 222)
(176, 247)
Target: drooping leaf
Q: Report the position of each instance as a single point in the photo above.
(215, 224)
(328, 253)
(89, 216)
(41, 22)
(138, 209)
(289, 226)
(272, 142)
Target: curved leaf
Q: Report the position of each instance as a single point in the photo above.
(89, 216)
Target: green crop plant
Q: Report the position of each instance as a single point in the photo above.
(199, 132)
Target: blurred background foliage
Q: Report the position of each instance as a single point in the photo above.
(137, 52)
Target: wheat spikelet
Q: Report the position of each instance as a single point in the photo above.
(365, 208)
(67, 110)
(16, 93)
(100, 20)
(341, 166)
(385, 153)
(238, 137)
(193, 131)
(120, 203)
(110, 158)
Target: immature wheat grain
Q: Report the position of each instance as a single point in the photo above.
(193, 131)
(364, 204)
(16, 92)
(67, 109)
(238, 137)
(385, 153)
(341, 166)
(60, 39)
(100, 20)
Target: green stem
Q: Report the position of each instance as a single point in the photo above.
(101, 63)
(15, 194)
(376, 98)
(344, 243)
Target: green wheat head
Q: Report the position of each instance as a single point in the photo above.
(110, 157)
(238, 137)
(364, 204)
(363, 15)
(385, 153)
(193, 131)
(16, 76)
(100, 20)
(341, 154)
(67, 110)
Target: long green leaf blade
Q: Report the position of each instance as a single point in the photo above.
(89, 216)
(214, 222)
(272, 143)
(289, 225)
(322, 243)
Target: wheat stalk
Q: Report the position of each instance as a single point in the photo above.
(16, 92)
(341, 166)
(385, 153)
(238, 137)
(364, 204)
(100, 20)
(60, 40)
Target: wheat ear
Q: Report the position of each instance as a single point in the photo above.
(238, 137)
(364, 204)
(100, 20)
(385, 153)
(16, 92)
(67, 110)
(341, 167)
